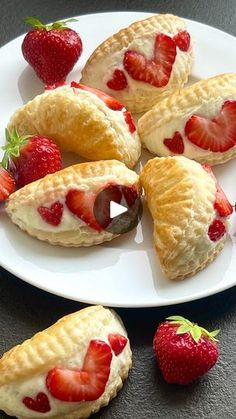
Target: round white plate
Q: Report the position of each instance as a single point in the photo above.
(124, 272)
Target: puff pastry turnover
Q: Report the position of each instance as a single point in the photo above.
(91, 124)
(69, 370)
(59, 207)
(199, 122)
(189, 210)
(143, 63)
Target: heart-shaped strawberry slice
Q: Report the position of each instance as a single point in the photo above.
(217, 134)
(175, 144)
(216, 230)
(118, 81)
(182, 40)
(155, 71)
(117, 342)
(81, 204)
(87, 384)
(53, 214)
(40, 404)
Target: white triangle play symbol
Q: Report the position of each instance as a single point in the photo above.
(116, 209)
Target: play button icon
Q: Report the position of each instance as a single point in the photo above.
(118, 208)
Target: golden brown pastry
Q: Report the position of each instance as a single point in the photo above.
(82, 121)
(60, 207)
(199, 122)
(189, 211)
(69, 370)
(143, 63)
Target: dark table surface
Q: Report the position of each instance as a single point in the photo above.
(24, 310)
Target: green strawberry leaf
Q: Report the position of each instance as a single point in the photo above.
(33, 21)
(215, 333)
(183, 329)
(196, 332)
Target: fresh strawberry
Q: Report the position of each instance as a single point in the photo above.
(118, 81)
(222, 205)
(182, 40)
(175, 144)
(117, 342)
(129, 121)
(52, 215)
(7, 184)
(155, 71)
(108, 100)
(52, 50)
(184, 350)
(216, 230)
(217, 134)
(86, 384)
(81, 203)
(30, 157)
(40, 404)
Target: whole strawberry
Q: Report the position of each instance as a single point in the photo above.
(52, 50)
(184, 350)
(30, 157)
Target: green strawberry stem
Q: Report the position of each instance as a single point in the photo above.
(36, 23)
(14, 142)
(185, 326)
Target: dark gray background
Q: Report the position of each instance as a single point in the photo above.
(25, 310)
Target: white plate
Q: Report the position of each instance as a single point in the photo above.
(124, 272)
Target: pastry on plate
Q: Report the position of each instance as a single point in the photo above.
(69, 370)
(83, 121)
(190, 212)
(59, 208)
(199, 122)
(142, 63)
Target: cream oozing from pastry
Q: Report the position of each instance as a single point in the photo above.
(11, 395)
(153, 139)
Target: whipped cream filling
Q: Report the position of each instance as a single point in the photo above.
(154, 140)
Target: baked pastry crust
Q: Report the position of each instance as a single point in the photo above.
(72, 232)
(139, 36)
(180, 196)
(204, 98)
(79, 122)
(55, 346)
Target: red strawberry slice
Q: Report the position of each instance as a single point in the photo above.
(86, 384)
(217, 134)
(216, 230)
(129, 121)
(222, 205)
(108, 100)
(182, 40)
(155, 71)
(117, 342)
(52, 215)
(40, 404)
(175, 144)
(130, 193)
(118, 81)
(7, 184)
(81, 204)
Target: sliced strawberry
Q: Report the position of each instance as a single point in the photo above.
(108, 100)
(40, 404)
(117, 342)
(155, 71)
(130, 193)
(217, 134)
(129, 121)
(103, 203)
(182, 40)
(118, 81)
(52, 215)
(216, 230)
(87, 384)
(175, 144)
(7, 184)
(81, 204)
(222, 205)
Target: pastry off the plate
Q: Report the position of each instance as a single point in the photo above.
(69, 370)
(142, 63)
(189, 211)
(59, 208)
(81, 120)
(199, 122)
